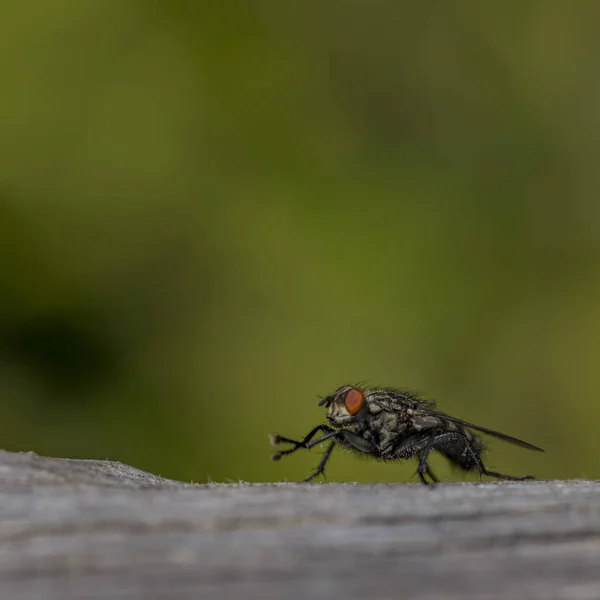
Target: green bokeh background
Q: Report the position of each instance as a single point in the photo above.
(213, 213)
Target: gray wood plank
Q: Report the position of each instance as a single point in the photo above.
(94, 529)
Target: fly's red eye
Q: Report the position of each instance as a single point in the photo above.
(354, 400)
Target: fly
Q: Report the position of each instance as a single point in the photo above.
(391, 424)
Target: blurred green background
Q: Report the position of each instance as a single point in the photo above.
(213, 213)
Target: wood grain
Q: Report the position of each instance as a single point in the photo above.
(92, 529)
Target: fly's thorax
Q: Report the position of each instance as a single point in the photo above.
(421, 422)
(387, 422)
(388, 428)
(374, 407)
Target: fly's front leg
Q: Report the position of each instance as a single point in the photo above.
(349, 437)
(320, 470)
(305, 443)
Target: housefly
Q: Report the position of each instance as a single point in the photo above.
(391, 424)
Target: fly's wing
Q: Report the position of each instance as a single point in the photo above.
(497, 434)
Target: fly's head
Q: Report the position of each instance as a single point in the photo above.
(345, 406)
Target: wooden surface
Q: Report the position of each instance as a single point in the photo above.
(90, 529)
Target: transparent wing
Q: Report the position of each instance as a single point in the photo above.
(497, 434)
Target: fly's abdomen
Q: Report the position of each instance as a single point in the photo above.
(462, 449)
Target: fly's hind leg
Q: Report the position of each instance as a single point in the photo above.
(432, 475)
(507, 477)
(485, 471)
(423, 465)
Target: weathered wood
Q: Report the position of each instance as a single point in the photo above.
(92, 529)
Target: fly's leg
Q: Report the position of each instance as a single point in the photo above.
(349, 437)
(320, 470)
(432, 475)
(423, 466)
(470, 457)
(418, 445)
(309, 443)
(485, 471)
(497, 475)
(305, 443)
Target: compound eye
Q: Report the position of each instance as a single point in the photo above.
(354, 400)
